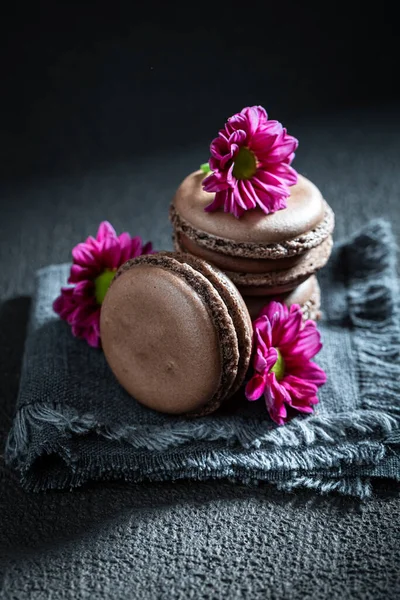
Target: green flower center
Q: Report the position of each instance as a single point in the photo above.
(245, 164)
(279, 366)
(102, 283)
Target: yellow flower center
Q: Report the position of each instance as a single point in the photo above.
(102, 283)
(279, 366)
(245, 164)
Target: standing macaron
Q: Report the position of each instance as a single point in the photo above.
(249, 213)
(176, 333)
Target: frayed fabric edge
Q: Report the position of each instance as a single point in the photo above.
(286, 467)
(247, 434)
(360, 487)
(376, 339)
(375, 315)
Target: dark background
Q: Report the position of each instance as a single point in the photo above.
(84, 84)
(104, 109)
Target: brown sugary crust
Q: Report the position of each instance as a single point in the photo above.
(292, 247)
(235, 305)
(313, 260)
(311, 308)
(219, 313)
(307, 295)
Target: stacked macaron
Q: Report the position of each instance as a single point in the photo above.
(267, 256)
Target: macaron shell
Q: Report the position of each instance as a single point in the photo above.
(271, 290)
(238, 264)
(168, 336)
(307, 295)
(137, 329)
(236, 307)
(305, 210)
(256, 284)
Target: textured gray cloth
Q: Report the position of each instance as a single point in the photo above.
(185, 539)
(74, 423)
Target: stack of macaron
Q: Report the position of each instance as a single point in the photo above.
(254, 217)
(267, 256)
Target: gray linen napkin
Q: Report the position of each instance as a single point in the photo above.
(74, 423)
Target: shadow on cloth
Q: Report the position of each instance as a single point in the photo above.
(14, 314)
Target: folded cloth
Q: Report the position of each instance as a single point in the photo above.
(75, 424)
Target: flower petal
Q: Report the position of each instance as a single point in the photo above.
(125, 246)
(307, 343)
(274, 311)
(92, 337)
(299, 388)
(255, 387)
(285, 173)
(105, 231)
(63, 305)
(262, 327)
(309, 371)
(284, 145)
(263, 140)
(136, 247)
(262, 362)
(111, 253)
(213, 183)
(84, 256)
(147, 248)
(239, 200)
(254, 114)
(83, 288)
(248, 195)
(79, 273)
(275, 401)
(238, 137)
(290, 327)
(218, 202)
(303, 408)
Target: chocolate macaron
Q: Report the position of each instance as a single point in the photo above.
(262, 254)
(176, 333)
(307, 295)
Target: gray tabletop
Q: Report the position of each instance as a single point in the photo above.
(187, 540)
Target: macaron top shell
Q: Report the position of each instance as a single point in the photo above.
(305, 210)
(168, 336)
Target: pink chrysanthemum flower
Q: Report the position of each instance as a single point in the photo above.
(283, 371)
(94, 264)
(250, 164)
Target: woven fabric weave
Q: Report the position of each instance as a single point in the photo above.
(74, 423)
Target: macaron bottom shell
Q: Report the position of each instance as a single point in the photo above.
(273, 281)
